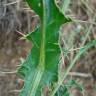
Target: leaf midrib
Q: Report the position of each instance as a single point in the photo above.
(41, 65)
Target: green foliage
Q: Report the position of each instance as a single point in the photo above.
(65, 4)
(64, 88)
(78, 55)
(41, 65)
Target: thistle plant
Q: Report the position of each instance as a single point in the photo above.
(40, 68)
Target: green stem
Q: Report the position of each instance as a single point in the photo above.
(81, 51)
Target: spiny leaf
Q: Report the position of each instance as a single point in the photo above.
(41, 66)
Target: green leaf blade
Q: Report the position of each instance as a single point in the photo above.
(41, 66)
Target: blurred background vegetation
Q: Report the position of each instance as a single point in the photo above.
(16, 19)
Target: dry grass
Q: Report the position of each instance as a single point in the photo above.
(16, 16)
